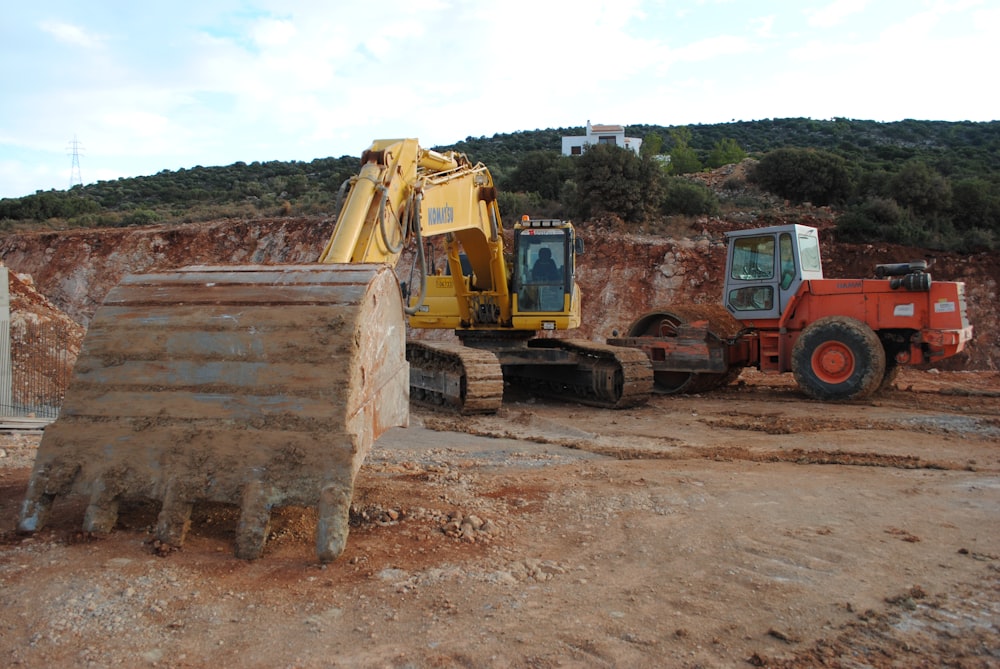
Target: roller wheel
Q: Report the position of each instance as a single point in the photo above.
(665, 323)
(838, 358)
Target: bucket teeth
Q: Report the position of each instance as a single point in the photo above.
(254, 386)
(255, 521)
(334, 518)
(102, 511)
(175, 516)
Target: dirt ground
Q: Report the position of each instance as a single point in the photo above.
(745, 527)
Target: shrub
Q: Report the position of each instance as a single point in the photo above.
(688, 198)
(139, 217)
(614, 180)
(978, 239)
(805, 175)
(734, 184)
(870, 220)
(920, 188)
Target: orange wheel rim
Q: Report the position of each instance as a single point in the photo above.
(833, 362)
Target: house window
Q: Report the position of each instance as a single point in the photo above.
(576, 150)
(606, 139)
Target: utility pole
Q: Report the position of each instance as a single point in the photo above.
(75, 178)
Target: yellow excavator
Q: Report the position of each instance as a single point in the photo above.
(265, 386)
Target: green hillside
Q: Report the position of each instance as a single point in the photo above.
(928, 182)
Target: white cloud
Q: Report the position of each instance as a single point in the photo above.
(763, 26)
(715, 47)
(214, 81)
(71, 34)
(23, 178)
(269, 33)
(835, 13)
(987, 21)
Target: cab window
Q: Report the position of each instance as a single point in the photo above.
(809, 253)
(753, 258)
(542, 262)
(541, 270)
(787, 260)
(752, 298)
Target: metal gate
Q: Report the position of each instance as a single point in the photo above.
(40, 371)
(36, 363)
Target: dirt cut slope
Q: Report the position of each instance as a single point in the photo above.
(621, 274)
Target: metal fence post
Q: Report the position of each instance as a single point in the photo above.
(6, 368)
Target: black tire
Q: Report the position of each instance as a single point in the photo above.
(838, 358)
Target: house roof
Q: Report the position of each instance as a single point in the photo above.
(607, 128)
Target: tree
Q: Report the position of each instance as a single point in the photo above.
(542, 172)
(974, 205)
(920, 188)
(805, 175)
(683, 159)
(652, 144)
(297, 185)
(725, 152)
(610, 179)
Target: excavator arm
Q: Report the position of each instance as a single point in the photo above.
(405, 194)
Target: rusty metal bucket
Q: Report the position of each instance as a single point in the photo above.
(260, 386)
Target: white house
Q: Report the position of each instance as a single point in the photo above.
(600, 134)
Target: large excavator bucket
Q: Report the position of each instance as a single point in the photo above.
(259, 386)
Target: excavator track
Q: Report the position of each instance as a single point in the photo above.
(258, 386)
(609, 377)
(447, 374)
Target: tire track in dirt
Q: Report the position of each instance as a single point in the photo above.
(669, 448)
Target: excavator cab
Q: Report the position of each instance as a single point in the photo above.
(544, 267)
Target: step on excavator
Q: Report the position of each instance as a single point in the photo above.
(265, 386)
(842, 339)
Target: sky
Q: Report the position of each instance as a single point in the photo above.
(142, 87)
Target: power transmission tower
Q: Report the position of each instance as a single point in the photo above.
(75, 178)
